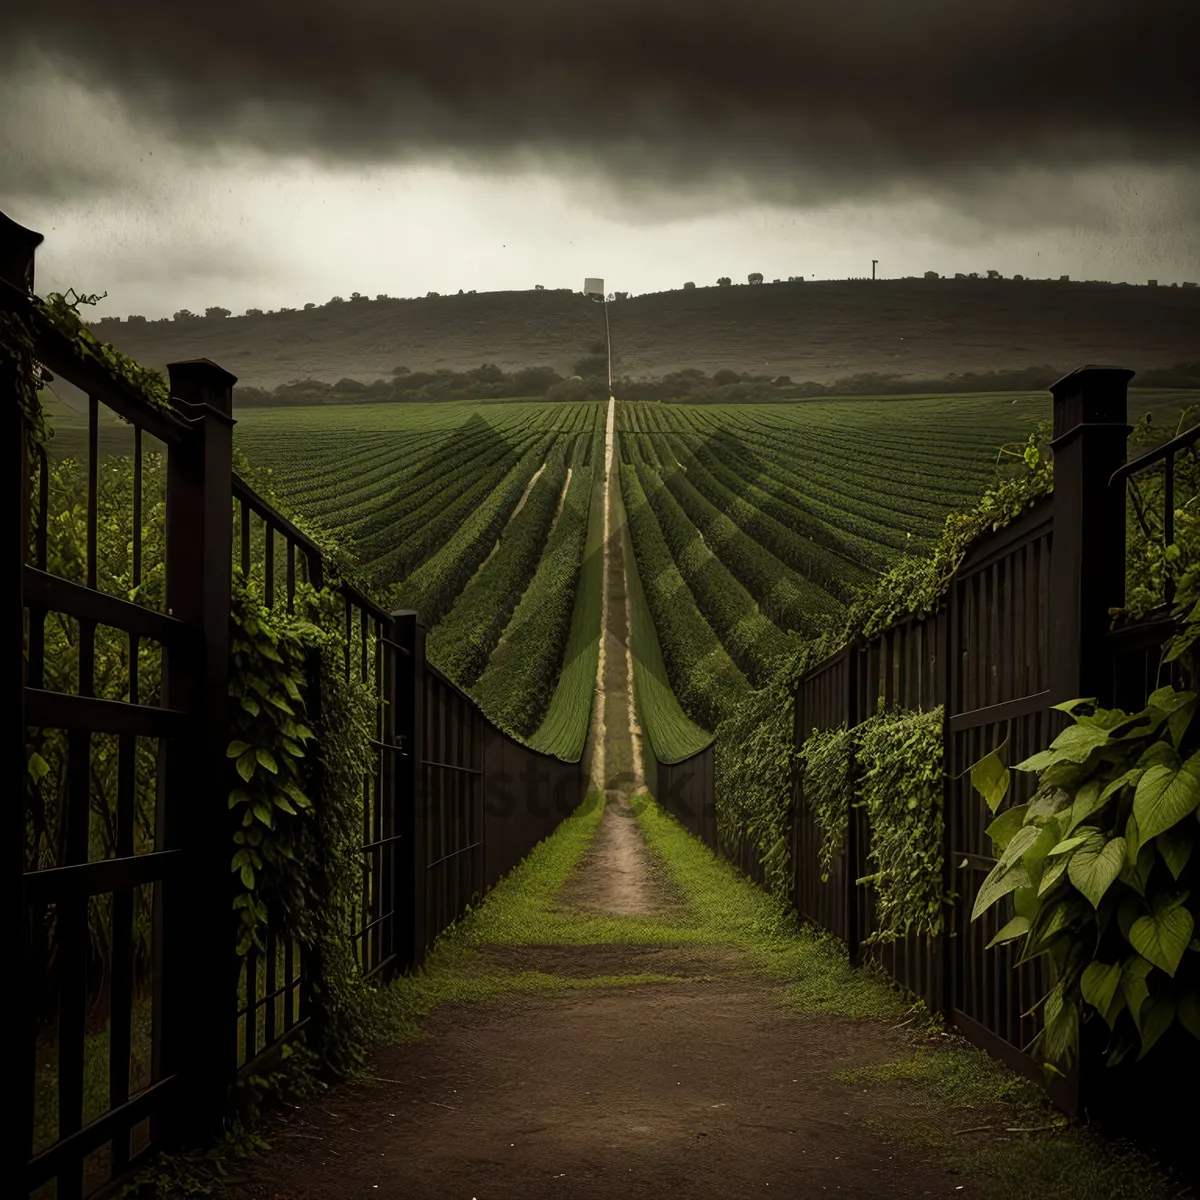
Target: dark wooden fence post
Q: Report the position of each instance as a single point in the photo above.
(17, 247)
(1091, 430)
(411, 814)
(1087, 573)
(195, 949)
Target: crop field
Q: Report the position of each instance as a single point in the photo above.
(750, 524)
(747, 527)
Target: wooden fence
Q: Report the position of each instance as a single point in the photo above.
(1024, 626)
(685, 789)
(136, 1018)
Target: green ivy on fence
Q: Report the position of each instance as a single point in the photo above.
(827, 760)
(900, 784)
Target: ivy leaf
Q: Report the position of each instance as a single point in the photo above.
(237, 749)
(1168, 700)
(1076, 742)
(1095, 866)
(281, 801)
(1175, 846)
(1162, 936)
(1039, 761)
(251, 705)
(1129, 778)
(1134, 988)
(1017, 927)
(263, 812)
(1099, 984)
(1053, 873)
(247, 875)
(1061, 1030)
(989, 777)
(245, 765)
(1000, 881)
(1159, 754)
(1180, 720)
(267, 759)
(1157, 1017)
(1138, 874)
(1001, 830)
(1165, 796)
(238, 796)
(38, 767)
(1022, 840)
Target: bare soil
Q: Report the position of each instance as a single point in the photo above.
(703, 1086)
(819, 330)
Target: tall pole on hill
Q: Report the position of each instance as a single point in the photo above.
(873, 262)
(603, 299)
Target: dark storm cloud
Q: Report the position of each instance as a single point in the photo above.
(803, 100)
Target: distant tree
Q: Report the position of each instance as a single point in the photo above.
(135, 320)
(754, 277)
(622, 295)
(776, 280)
(401, 371)
(349, 385)
(932, 275)
(973, 275)
(336, 300)
(216, 312)
(472, 291)
(725, 377)
(537, 287)
(184, 314)
(689, 286)
(284, 308)
(309, 305)
(254, 312)
(533, 381)
(782, 380)
(724, 281)
(488, 373)
(431, 295)
(959, 275)
(994, 275)
(460, 291)
(381, 296)
(1018, 278)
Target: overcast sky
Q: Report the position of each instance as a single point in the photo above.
(182, 156)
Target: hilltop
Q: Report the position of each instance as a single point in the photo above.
(818, 330)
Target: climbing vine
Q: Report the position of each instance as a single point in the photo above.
(299, 815)
(899, 757)
(753, 751)
(827, 758)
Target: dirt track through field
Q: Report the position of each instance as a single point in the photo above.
(703, 1086)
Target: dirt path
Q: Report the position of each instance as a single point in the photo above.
(703, 1086)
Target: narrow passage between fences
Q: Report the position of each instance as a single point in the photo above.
(625, 1016)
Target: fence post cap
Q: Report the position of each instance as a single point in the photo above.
(17, 247)
(1091, 372)
(202, 381)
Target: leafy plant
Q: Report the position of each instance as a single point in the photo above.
(1100, 874)
(827, 759)
(900, 785)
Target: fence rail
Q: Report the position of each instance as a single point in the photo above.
(138, 1020)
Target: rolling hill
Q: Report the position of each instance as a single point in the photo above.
(822, 330)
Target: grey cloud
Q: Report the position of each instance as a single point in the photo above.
(803, 102)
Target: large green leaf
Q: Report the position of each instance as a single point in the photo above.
(1076, 742)
(1000, 881)
(1087, 800)
(246, 764)
(1021, 841)
(1134, 987)
(1129, 778)
(1176, 846)
(1165, 796)
(1017, 927)
(1002, 829)
(1099, 984)
(267, 759)
(1162, 936)
(1053, 873)
(989, 777)
(1095, 865)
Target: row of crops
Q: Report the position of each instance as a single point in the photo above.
(478, 516)
(751, 525)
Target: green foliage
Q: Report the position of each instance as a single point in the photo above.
(900, 785)
(270, 651)
(296, 858)
(753, 749)
(1100, 874)
(827, 760)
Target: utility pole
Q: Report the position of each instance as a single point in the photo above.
(873, 262)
